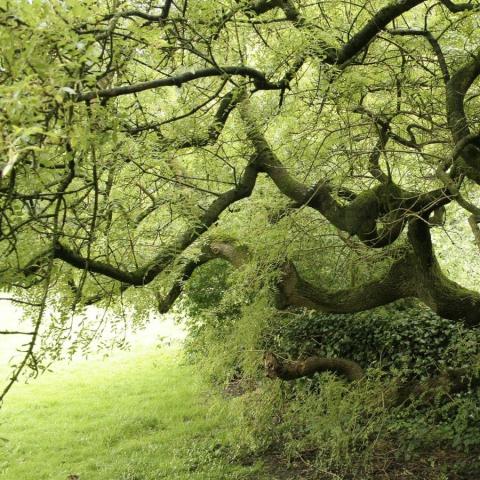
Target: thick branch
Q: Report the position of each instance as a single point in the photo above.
(360, 216)
(449, 382)
(459, 7)
(291, 370)
(293, 290)
(377, 23)
(177, 80)
(457, 88)
(444, 296)
(415, 274)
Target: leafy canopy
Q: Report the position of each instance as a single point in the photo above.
(313, 145)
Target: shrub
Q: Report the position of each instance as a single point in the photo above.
(404, 338)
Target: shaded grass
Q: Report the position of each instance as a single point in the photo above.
(134, 416)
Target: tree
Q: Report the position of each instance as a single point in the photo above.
(304, 139)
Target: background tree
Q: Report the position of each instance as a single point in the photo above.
(313, 146)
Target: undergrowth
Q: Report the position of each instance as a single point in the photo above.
(330, 428)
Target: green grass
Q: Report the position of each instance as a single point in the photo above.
(133, 416)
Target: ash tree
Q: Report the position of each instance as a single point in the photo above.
(314, 146)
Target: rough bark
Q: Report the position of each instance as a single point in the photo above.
(444, 296)
(416, 274)
(364, 213)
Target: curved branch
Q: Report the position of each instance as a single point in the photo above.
(293, 290)
(258, 78)
(449, 382)
(360, 216)
(291, 370)
(375, 25)
(459, 7)
(415, 274)
(149, 272)
(456, 89)
(444, 296)
(234, 254)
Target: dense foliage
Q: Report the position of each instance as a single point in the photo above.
(281, 166)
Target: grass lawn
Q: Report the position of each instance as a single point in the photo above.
(138, 415)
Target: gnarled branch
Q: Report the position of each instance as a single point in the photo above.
(448, 382)
(291, 370)
(360, 216)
